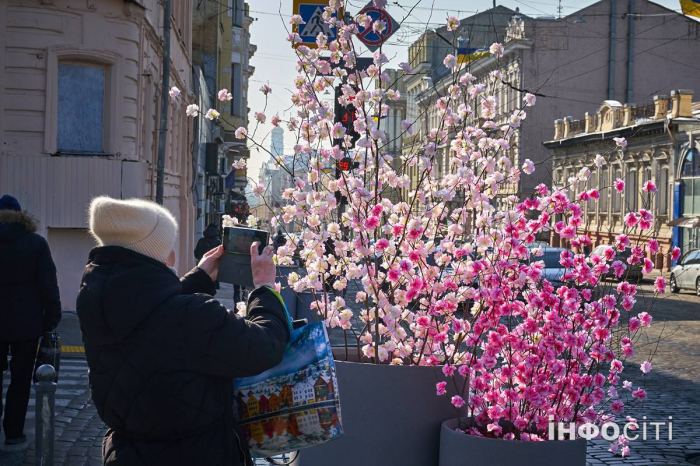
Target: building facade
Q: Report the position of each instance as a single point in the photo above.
(660, 148)
(80, 117)
(391, 125)
(222, 49)
(571, 63)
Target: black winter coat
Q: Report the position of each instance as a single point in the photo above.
(30, 303)
(210, 240)
(162, 359)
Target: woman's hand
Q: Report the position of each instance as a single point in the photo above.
(264, 269)
(210, 262)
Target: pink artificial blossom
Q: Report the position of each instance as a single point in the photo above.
(619, 185)
(441, 388)
(649, 187)
(457, 401)
(645, 367)
(660, 285)
(676, 253)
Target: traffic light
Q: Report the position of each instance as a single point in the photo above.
(346, 115)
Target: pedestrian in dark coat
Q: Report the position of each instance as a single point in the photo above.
(162, 352)
(280, 240)
(30, 305)
(211, 238)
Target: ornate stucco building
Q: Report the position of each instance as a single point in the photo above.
(589, 56)
(80, 117)
(660, 147)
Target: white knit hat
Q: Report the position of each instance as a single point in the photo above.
(136, 224)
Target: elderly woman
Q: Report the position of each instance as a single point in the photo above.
(162, 352)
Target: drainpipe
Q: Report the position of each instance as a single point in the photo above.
(613, 41)
(164, 101)
(630, 50)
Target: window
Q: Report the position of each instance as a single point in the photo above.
(237, 13)
(592, 184)
(662, 194)
(691, 196)
(81, 102)
(691, 164)
(236, 87)
(632, 191)
(690, 258)
(604, 193)
(616, 197)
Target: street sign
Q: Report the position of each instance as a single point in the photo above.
(371, 38)
(361, 64)
(311, 11)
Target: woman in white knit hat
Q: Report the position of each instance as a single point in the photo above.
(162, 352)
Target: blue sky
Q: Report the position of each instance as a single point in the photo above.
(274, 60)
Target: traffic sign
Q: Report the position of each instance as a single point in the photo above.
(311, 11)
(361, 64)
(369, 36)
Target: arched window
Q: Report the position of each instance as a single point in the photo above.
(691, 164)
(690, 174)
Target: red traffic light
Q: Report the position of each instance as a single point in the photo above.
(344, 165)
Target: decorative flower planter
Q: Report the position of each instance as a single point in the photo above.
(457, 449)
(390, 415)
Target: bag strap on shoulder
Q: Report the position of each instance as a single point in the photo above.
(284, 306)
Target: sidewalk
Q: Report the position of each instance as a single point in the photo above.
(674, 390)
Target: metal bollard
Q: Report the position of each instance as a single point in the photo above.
(45, 413)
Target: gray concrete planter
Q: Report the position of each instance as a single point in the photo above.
(457, 449)
(390, 414)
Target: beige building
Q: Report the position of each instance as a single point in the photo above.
(391, 125)
(79, 116)
(222, 49)
(660, 147)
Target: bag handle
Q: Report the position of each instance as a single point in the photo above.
(286, 463)
(284, 306)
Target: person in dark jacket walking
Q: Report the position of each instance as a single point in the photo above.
(210, 239)
(280, 240)
(162, 352)
(30, 305)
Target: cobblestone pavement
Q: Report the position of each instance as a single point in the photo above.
(673, 386)
(79, 430)
(673, 390)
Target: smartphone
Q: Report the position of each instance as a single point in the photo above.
(234, 266)
(238, 240)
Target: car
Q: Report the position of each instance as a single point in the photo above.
(686, 273)
(632, 272)
(553, 270)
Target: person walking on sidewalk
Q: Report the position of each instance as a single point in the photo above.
(162, 352)
(280, 240)
(210, 239)
(30, 305)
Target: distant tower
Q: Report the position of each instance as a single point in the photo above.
(277, 142)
